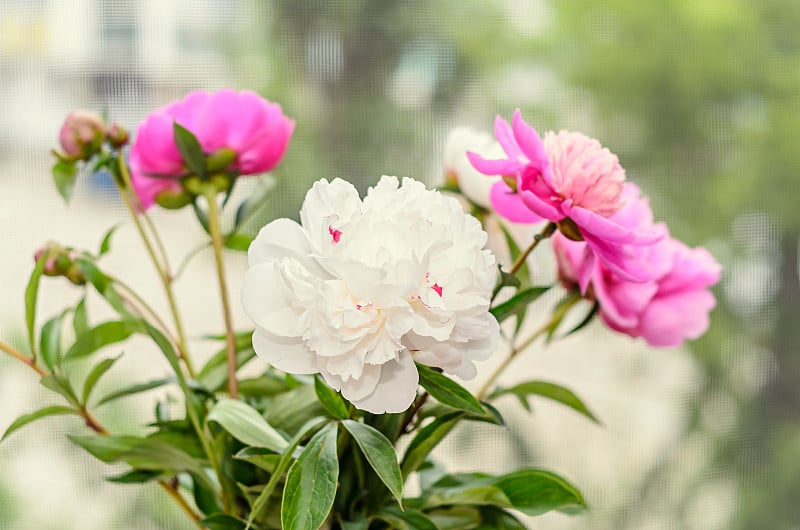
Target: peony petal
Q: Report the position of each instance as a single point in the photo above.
(493, 167)
(267, 301)
(396, 389)
(505, 137)
(509, 205)
(530, 142)
(290, 355)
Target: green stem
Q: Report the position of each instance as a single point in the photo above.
(161, 267)
(487, 386)
(546, 232)
(216, 240)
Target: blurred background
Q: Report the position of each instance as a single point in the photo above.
(700, 100)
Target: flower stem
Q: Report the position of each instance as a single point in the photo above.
(216, 240)
(161, 266)
(487, 386)
(546, 232)
(22, 357)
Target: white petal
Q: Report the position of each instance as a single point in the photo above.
(355, 389)
(396, 389)
(267, 301)
(326, 201)
(289, 355)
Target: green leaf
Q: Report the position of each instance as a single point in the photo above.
(426, 440)
(33, 416)
(214, 374)
(523, 273)
(259, 457)
(64, 173)
(265, 385)
(246, 425)
(447, 391)
(588, 318)
(57, 383)
(456, 518)
(137, 476)
(560, 311)
(190, 149)
(311, 483)
(518, 303)
(238, 241)
(31, 295)
(94, 376)
(80, 320)
(535, 491)
(135, 389)
(470, 494)
(289, 410)
(105, 244)
(408, 519)
(106, 448)
(331, 400)
(380, 454)
(223, 521)
(498, 519)
(549, 390)
(99, 336)
(286, 458)
(361, 524)
(50, 341)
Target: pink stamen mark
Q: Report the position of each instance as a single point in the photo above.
(335, 234)
(438, 288)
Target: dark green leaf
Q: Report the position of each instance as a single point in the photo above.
(289, 410)
(202, 217)
(424, 442)
(331, 399)
(408, 519)
(99, 336)
(137, 476)
(94, 376)
(80, 321)
(518, 303)
(31, 295)
(259, 457)
(560, 311)
(470, 494)
(190, 149)
(246, 424)
(33, 416)
(498, 519)
(106, 448)
(534, 491)
(588, 318)
(265, 385)
(361, 524)
(311, 483)
(549, 390)
(64, 173)
(204, 497)
(223, 521)
(105, 245)
(238, 241)
(456, 518)
(134, 389)
(50, 341)
(447, 391)
(380, 454)
(523, 273)
(286, 458)
(505, 280)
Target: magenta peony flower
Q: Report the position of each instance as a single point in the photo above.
(572, 180)
(665, 311)
(250, 126)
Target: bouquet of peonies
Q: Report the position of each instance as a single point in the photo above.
(361, 314)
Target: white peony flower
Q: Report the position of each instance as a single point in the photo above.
(361, 289)
(473, 184)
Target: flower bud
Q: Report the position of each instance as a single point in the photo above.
(81, 135)
(117, 135)
(60, 261)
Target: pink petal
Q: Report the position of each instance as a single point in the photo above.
(509, 204)
(505, 137)
(529, 141)
(493, 167)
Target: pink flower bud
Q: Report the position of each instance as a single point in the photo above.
(117, 135)
(81, 135)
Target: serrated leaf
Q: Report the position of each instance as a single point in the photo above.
(64, 174)
(99, 336)
(190, 149)
(380, 454)
(246, 425)
(311, 483)
(50, 341)
(31, 295)
(447, 391)
(331, 400)
(518, 303)
(548, 390)
(94, 376)
(134, 389)
(33, 416)
(105, 244)
(426, 440)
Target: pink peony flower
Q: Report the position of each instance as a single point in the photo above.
(81, 135)
(665, 311)
(572, 180)
(252, 127)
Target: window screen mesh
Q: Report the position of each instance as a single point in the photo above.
(699, 99)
